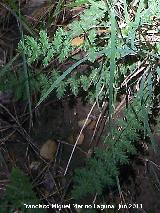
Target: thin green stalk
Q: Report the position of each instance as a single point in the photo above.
(26, 74)
(112, 63)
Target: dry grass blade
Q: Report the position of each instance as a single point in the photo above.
(66, 169)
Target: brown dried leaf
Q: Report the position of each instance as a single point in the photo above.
(77, 41)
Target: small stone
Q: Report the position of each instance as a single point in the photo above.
(48, 150)
(34, 165)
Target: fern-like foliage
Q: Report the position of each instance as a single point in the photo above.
(73, 83)
(18, 192)
(96, 17)
(60, 46)
(95, 28)
(43, 48)
(102, 169)
(107, 53)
